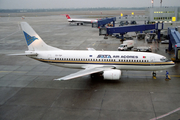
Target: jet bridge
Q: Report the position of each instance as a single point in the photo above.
(124, 29)
(103, 22)
(174, 42)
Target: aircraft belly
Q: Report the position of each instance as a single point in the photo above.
(140, 68)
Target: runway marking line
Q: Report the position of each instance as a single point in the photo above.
(13, 71)
(166, 114)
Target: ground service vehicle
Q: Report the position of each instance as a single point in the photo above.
(127, 45)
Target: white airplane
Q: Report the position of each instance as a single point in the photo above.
(79, 21)
(106, 63)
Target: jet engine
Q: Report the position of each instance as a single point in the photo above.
(112, 74)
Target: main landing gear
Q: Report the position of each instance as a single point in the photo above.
(79, 23)
(96, 76)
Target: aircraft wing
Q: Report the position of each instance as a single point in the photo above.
(86, 71)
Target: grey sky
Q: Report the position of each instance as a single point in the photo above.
(31, 4)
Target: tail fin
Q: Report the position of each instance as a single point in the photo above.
(68, 17)
(34, 41)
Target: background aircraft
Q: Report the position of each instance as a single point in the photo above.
(79, 21)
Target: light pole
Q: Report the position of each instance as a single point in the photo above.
(152, 3)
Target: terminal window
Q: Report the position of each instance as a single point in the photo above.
(163, 11)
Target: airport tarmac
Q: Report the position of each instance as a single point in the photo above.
(28, 92)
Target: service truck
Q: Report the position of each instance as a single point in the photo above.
(127, 45)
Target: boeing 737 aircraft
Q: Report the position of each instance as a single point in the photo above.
(79, 21)
(106, 63)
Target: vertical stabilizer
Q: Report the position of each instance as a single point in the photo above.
(68, 17)
(34, 41)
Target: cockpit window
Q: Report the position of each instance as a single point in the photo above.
(164, 59)
(121, 45)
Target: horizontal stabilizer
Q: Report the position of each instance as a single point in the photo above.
(25, 54)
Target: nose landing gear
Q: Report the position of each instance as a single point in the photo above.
(154, 75)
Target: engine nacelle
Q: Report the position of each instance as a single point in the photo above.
(112, 74)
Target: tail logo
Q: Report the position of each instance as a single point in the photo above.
(67, 16)
(29, 39)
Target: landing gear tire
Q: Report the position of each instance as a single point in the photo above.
(77, 23)
(93, 76)
(96, 76)
(81, 23)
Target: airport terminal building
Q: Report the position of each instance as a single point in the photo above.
(163, 14)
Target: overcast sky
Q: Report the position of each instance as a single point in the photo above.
(31, 4)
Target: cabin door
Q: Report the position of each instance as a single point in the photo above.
(152, 61)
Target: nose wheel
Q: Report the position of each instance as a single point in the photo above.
(154, 75)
